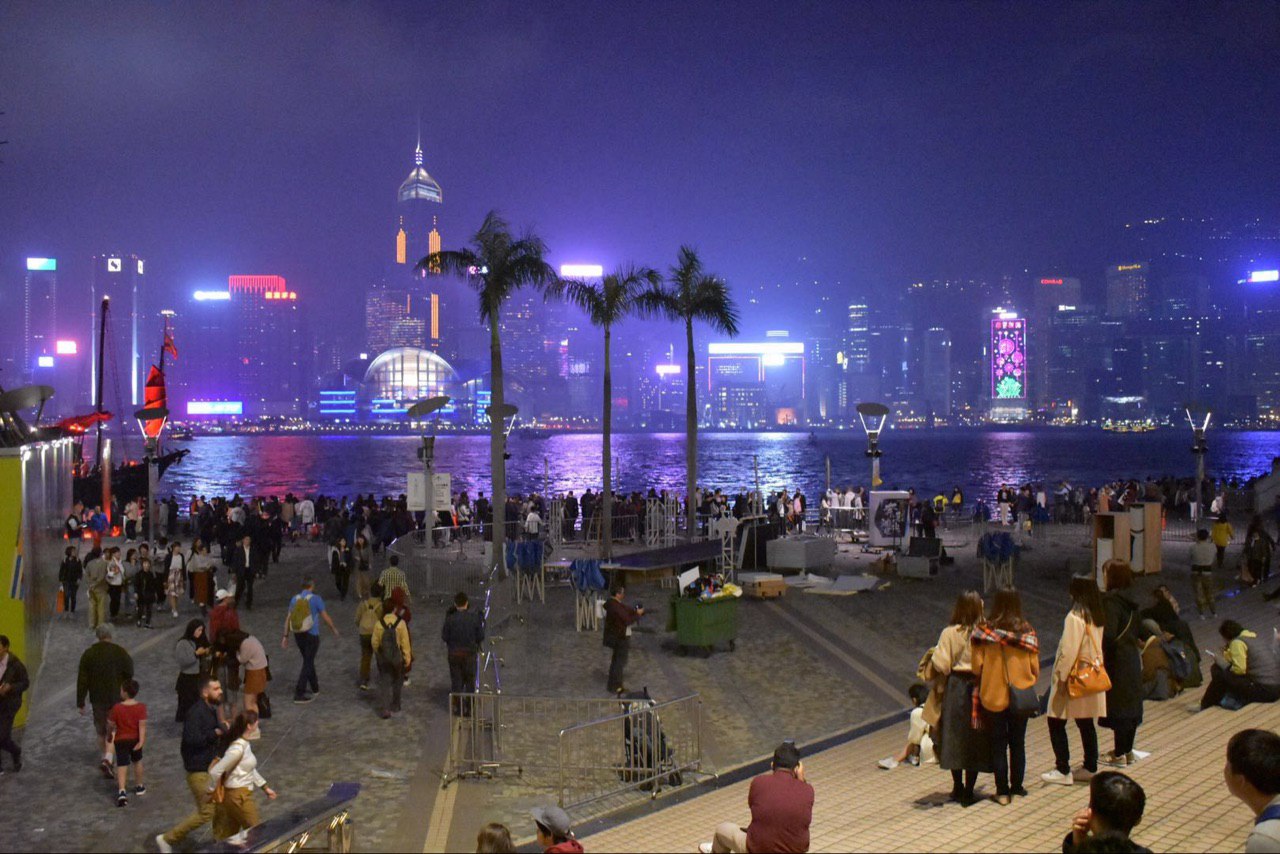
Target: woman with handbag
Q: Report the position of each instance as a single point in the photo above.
(961, 748)
(1080, 682)
(1122, 657)
(233, 778)
(1006, 660)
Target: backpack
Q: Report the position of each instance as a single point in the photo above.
(389, 647)
(1179, 663)
(300, 619)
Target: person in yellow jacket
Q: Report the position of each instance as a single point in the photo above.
(1221, 535)
(394, 654)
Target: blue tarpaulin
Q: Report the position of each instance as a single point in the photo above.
(586, 575)
(997, 547)
(525, 556)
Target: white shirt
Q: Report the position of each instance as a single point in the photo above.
(532, 523)
(306, 511)
(245, 773)
(1265, 837)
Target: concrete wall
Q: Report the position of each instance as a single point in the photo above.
(35, 497)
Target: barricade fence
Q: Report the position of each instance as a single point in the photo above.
(584, 748)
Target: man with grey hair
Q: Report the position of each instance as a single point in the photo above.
(104, 667)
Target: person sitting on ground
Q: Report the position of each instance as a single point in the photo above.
(919, 747)
(494, 838)
(1252, 774)
(1251, 673)
(555, 835)
(1115, 807)
(781, 805)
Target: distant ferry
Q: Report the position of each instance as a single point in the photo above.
(533, 433)
(1129, 426)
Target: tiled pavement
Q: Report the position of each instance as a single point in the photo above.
(862, 808)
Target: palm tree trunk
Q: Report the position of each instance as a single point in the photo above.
(606, 454)
(497, 441)
(690, 433)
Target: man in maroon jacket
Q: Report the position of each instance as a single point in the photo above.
(617, 635)
(781, 805)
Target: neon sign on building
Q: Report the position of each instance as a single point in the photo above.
(1008, 359)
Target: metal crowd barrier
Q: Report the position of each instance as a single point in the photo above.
(323, 824)
(645, 747)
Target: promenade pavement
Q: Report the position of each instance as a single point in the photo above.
(859, 807)
(806, 666)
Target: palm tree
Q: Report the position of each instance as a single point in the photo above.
(496, 265)
(692, 294)
(619, 294)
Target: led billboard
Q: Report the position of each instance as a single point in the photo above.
(215, 407)
(1008, 359)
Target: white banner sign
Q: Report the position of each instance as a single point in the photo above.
(440, 491)
(416, 493)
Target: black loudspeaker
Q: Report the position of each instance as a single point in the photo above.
(930, 547)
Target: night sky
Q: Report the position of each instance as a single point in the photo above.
(876, 141)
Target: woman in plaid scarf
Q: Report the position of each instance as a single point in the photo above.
(1006, 655)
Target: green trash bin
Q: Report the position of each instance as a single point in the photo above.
(703, 623)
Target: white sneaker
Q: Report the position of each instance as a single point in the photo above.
(704, 847)
(1136, 755)
(888, 763)
(1057, 778)
(164, 847)
(239, 838)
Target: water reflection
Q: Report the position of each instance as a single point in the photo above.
(977, 461)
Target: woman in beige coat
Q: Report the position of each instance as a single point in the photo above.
(1081, 642)
(960, 748)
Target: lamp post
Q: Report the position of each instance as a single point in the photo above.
(873, 417)
(420, 410)
(144, 416)
(1198, 417)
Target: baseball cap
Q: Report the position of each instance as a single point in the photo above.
(553, 819)
(220, 595)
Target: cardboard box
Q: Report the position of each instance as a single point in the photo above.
(765, 588)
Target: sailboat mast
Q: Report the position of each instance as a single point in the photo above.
(102, 346)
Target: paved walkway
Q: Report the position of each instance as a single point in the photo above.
(862, 808)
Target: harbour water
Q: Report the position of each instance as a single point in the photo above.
(976, 460)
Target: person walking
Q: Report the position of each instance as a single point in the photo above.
(392, 645)
(242, 570)
(340, 567)
(175, 565)
(115, 583)
(961, 749)
(14, 682)
(148, 586)
(362, 561)
(104, 667)
(190, 653)
(95, 577)
(463, 632)
(200, 569)
(618, 619)
(69, 574)
(1221, 533)
(1006, 659)
(306, 610)
(1258, 548)
(201, 733)
(237, 771)
(1203, 560)
(368, 613)
(127, 734)
(392, 578)
(1123, 662)
(1080, 646)
(251, 655)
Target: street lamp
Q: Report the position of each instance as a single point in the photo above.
(419, 411)
(873, 417)
(1198, 417)
(146, 416)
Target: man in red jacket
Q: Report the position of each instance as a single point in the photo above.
(617, 635)
(781, 805)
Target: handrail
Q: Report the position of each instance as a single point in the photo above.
(292, 831)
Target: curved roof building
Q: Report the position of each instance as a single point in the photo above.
(402, 376)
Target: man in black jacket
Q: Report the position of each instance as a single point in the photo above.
(103, 669)
(617, 636)
(462, 634)
(13, 683)
(201, 732)
(244, 570)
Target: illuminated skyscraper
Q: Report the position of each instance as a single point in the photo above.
(394, 317)
(417, 235)
(271, 364)
(122, 278)
(1127, 290)
(39, 312)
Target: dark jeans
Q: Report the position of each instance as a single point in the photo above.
(308, 645)
(342, 580)
(69, 592)
(1062, 749)
(1222, 682)
(114, 593)
(390, 679)
(462, 672)
(1008, 750)
(7, 714)
(244, 588)
(145, 603)
(1124, 730)
(618, 663)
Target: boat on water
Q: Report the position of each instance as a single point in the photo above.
(533, 433)
(97, 483)
(1129, 426)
